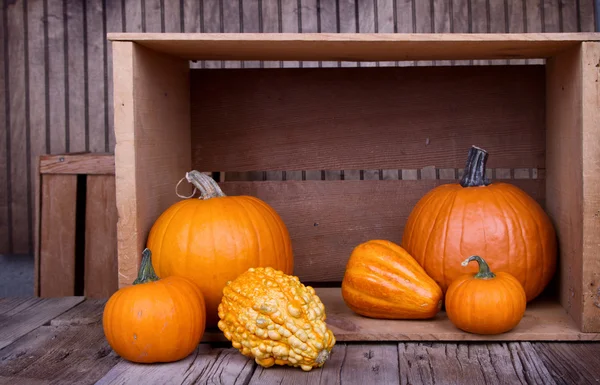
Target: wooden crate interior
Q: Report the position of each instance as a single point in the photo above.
(354, 120)
(343, 154)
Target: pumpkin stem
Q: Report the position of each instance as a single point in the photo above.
(206, 185)
(484, 268)
(474, 174)
(146, 273)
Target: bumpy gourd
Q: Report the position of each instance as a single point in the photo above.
(276, 320)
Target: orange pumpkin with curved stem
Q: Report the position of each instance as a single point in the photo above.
(486, 302)
(499, 220)
(155, 320)
(216, 238)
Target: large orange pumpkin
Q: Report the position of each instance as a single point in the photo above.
(155, 320)
(214, 239)
(498, 221)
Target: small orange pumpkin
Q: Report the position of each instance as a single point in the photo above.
(486, 302)
(216, 238)
(383, 281)
(155, 320)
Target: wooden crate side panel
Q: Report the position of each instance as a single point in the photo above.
(327, 219)
(564, 181)
(366, 118)
(101, 272)
(57, 240)
(591, 187)
(152, 126)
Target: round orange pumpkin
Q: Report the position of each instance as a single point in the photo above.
(214, 239)
(485, 303)
(498, 221)
(155, 320)
(383, 281)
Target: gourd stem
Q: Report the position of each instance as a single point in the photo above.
(474, 174)
(206, 185)
(484, 268)
(146, 273)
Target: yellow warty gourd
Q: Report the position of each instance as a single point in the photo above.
(276, 320)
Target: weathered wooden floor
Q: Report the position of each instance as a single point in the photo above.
(60, 341)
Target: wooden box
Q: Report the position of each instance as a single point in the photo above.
(343, 154)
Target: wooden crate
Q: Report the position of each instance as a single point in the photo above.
(343, 154)
(76, 226)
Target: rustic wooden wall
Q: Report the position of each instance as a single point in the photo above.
(56, 75)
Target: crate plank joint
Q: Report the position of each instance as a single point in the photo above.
(170, 119)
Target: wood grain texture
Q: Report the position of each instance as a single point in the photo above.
(352, 47)
(471, 364)
(57, 238)
(75, 70)
(95, 86)
(114, 23)
(204, 364)
(101, 263)
(88, 312)
(18, 134)
(591, 185)
(56, 98)
(59, 355)
(5, 227)
(575, 363)
(18, 319)
(374, 112)
(83, 163)
(327, 219)
(146, 175)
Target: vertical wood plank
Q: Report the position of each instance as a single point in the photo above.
(480, 22)
(328, 20)
(442, 21)
(370, 364)
(133, 16)
(289, 23)
(366, 21)
(114, 20)
(534, 22)
(422, 18)
(191, 22)
(172, 16)
(251, 23)
(5, 236)
(568, 15)
(101, 273)
(146, 177)
(461, 22)
(270, 17)
(498, 20)
(587, 20)
(37, 108)
(56, 97)
(152, 14)
(18, 131)
(309, 22)
(591, 185)
(348, 20)
(211, 11)
(232, 20)
(95, 104)
(551, 16)
(75, 77)
(386, 22)
(515, 16)
(57, 243)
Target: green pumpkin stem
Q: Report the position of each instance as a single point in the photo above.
(206, 185)
(484, 269)
(146, 273)
(474, 174)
